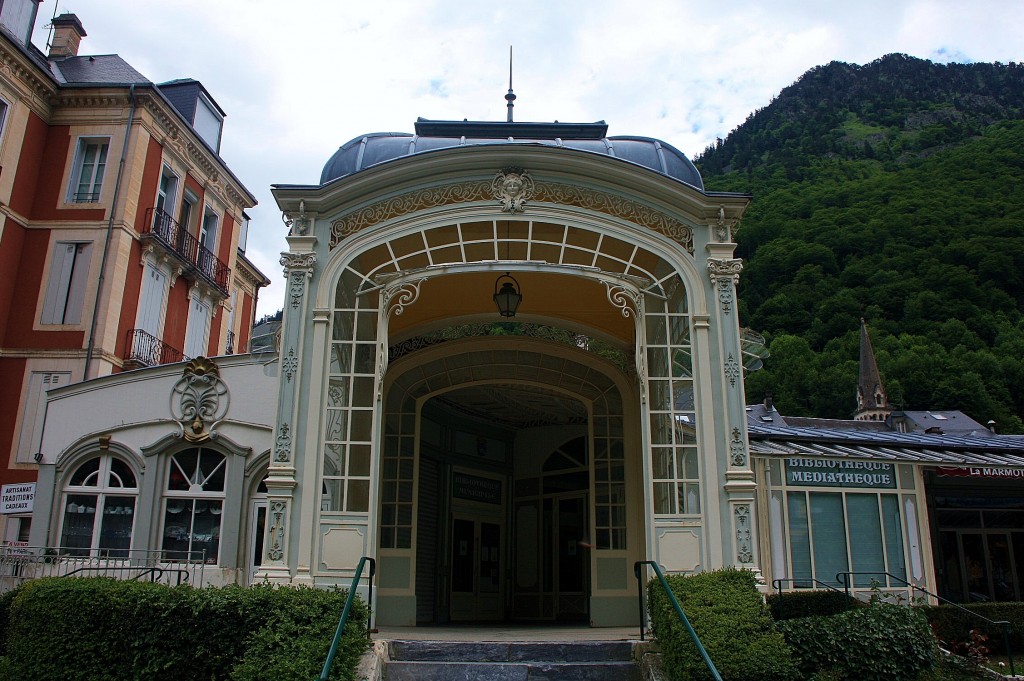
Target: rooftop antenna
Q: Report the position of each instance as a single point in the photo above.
(510, 97)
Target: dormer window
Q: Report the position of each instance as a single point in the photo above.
(208, 123)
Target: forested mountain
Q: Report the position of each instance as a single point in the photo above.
(892, 191)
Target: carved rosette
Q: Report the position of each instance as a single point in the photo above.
(513, 187)
(298, 268)
(724, 276)
(199, 400)
(278, 516)
(744, 545)
(732, 370)
(737, 449)
(283, 444)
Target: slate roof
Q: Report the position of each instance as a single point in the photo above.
(103, 69)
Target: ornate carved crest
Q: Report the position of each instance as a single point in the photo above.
(199, 400)
(513, 187)
(744, 549)
(738, 449)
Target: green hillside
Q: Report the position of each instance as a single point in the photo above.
(892, 191)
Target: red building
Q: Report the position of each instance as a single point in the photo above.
(122, 231)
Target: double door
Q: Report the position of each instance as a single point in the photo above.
(476, 569)
(982, 565)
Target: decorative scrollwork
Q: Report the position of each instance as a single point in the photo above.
(623, 298)
(278, 514)
(732, 370)
(738, 448)
(724, 276)
(199, 400)
(744, 547)
(283, 444)
(397, 298)
(513, 187)
(290, 364)
(298, 267)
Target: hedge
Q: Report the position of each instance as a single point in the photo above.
(98, 628)
(733, 624)
(820, 603)
(954, 625)
(878, 643)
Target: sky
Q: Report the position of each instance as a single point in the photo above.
(299, 78)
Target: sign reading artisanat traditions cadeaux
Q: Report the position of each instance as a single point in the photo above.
(17, 498)
(832, 473)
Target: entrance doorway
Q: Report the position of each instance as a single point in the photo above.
(476, 569)
(257, 531)
(982, 566)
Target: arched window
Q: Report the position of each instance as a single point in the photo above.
(193, 503)
(99, 508)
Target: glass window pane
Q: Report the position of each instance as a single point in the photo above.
(661, 429)
(662, 463)
(116, 526)
(177, 528)
(359, 460)
(663, 497)
(212, 467)
(362, 425)
(689, 497)
(121, 475)
(679, 327)
(893, 529)
(358, 500)
(341, 358)
(79, 520)
(657, 362)
(337, 392)
(86, 474)
(206, 529)
(799, 539)
(183, 469)
(363, 391)
(866, 538)
(366, 358)
(829, 536)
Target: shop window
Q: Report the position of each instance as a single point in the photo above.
(193, 504)
(65, 288)
(99, 509)
(89, 167)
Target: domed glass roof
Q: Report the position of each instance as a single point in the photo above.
(371, 150)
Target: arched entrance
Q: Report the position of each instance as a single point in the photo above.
(521, 481)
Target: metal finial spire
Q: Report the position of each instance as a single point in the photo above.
(510, 97)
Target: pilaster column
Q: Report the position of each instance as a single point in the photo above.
(289, 434)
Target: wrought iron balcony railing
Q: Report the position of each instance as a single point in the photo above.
(189, 250)
(145, 350)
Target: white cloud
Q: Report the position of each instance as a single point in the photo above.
(298, 79)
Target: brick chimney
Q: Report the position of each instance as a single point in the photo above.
(67, 36)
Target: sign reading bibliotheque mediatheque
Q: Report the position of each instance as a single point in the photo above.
(832, 473)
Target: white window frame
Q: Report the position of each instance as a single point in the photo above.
(189, 202)
(102, 490)
(208, 123)
(68, 278)
(5, 109)
(94, 182)
(153, 300)
(197, 328)
(166, 199)
(197, 494)
(209, 229)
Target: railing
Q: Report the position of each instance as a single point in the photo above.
(19, 564)
(844, 577)
(188, 248)
(348, 608)
(86, 197)
(679, 611)
(146, 350)
(777, 583)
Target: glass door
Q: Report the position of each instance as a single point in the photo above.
(257, 532)
(476, 569)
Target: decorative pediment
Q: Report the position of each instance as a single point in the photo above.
(199, 400)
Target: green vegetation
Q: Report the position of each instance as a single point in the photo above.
(732, 622)
(954, 626)
(888, 191)
(106, 629)
(814, 603)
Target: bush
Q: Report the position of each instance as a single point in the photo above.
(953, 625)
(819, 603)
(6, 599)
(106, 629)
(726, 610)
(878, 643)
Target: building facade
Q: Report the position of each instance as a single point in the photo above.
(122, 231)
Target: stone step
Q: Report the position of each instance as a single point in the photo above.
(512, 651)
(510, 671)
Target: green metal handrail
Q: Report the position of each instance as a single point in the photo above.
(348, 608)
(844, 577)
(679, 611)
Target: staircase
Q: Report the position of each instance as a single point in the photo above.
(510, 661)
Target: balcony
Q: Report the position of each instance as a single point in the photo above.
(144, 350)
(198, 260)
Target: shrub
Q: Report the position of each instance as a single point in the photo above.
(878, 643)
(820, 603)
(732, 622)
(106, 629)
(953, 625)
(6, 599)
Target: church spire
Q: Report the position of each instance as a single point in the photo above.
(872, 401)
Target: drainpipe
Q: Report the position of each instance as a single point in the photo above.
(110, 232)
